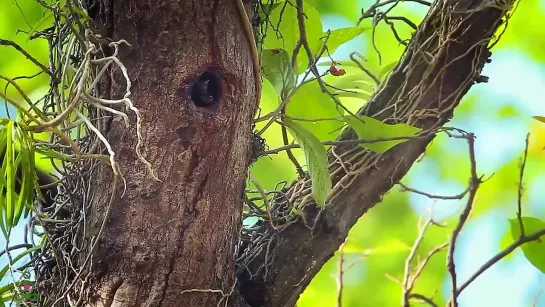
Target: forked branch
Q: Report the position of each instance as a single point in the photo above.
(443, 60)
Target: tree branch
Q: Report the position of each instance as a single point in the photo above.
(441, 63)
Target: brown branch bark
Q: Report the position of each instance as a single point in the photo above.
(443, 60)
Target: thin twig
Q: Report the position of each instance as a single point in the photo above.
(423, 298)
(474, 184)
(342, 142)
(30, 57)
(521, 240)
(405, 188)
(407, 270)
(264, 197)
(520, 191)
(365, 70)
(311, 59)
(340, 274)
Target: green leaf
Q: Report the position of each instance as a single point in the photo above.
(27, 176)
(277, 69)
(75, 11)
(286, 34)
(266, 7)
(354, 85)
(342, 63)
(540, 118)
(368, 128)
(47, 19)
(316, 158)
(9, 169)
(354, 93)
(268, 94)
(309, 102)
(338, 37)
(386, 70)
(355, 81)
(534, 251)
(18, 179)
(20, 256)
(3, 204)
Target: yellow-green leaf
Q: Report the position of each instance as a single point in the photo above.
(309, 102)
(316, 158)
(368, 128)
(338, 37)
(354, 81)
(540, 118)
(284, 19)
(534, 251)
(9, 172)
(268, 94)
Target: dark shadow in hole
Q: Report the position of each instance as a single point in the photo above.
(206, 90)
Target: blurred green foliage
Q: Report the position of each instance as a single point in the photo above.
(17, 21)
(371, 282)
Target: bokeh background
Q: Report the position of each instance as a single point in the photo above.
(498, 112)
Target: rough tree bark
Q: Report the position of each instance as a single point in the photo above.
(167, 237)
(443, 60)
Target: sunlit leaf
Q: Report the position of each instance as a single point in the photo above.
(310, 103)
(267, 6)
(354, 93)
(284, 19)
(268, 93)
(316, 159)
(508, 111)
(540, 118)
(338, 37)
(355, 85)
(356, 81)
(534, 251)
(368, 128)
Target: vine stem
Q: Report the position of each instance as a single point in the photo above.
(253, 46)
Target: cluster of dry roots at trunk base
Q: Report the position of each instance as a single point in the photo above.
(81, 62)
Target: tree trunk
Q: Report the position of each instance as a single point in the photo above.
(192, 80)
